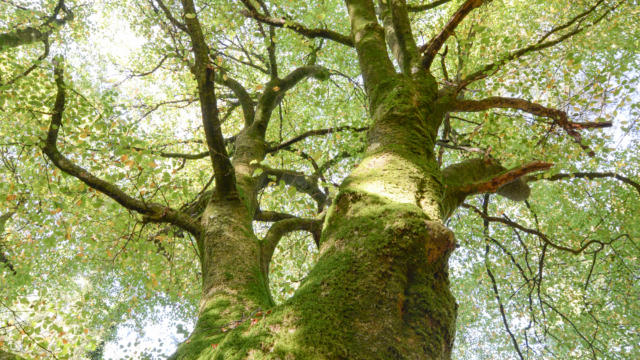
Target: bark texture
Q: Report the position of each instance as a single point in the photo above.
(380, 289)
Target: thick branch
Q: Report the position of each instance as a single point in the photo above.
(32, 34)
(431, 48)
(301, 73)
(476, 176)
(399, 35)
(205, 75)
(300, 181)
(299, 28)
(153, 212)
(248, 106)
(369, 40)
(270, 216)
(282, 228)
(276, 89)
(585, 175)
(492, 185)
(559, 117)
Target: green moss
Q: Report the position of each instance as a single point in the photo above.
(380, 287)
(258, 290)
(355, 295)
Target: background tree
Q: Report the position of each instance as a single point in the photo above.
(207, 163)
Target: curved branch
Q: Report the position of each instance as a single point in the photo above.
(586, 175)
(310, 133)
(300, 181)
(247, 103)
(282, 228)
(559, 117)
(276, 89)
(270, 216)
(428, 6)
(431, 48)
(492, 185)
(297, 27)
(301, 73)
(152, 211)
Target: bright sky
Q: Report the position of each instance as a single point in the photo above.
(159, 338)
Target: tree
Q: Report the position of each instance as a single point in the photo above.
(458, 100)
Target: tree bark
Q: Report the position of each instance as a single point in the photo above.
(380, 289)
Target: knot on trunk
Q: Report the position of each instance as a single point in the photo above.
(440, 243)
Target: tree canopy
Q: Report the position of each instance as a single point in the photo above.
(119, 123)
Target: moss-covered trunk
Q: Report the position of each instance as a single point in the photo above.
(380, 289)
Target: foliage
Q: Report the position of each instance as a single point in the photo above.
(81, 264)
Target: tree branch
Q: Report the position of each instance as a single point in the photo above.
(310, 133)
(32, 34)
(170, 17)
(253, 13)
(369, 40)
(282, 228)
(300, 181)
(431, 48)
(270, 216)
(271, 47)
(276, 89)
(399, 35)
(427, 6)
(247, 103)
(585, 175)
(32, 67)
(559, 117)
(485, 206)
(541, 44)
(477, 176)
(205, 75)
(492, 185)
(537, 233)
(152, 211)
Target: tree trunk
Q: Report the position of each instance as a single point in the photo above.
(380, 289)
